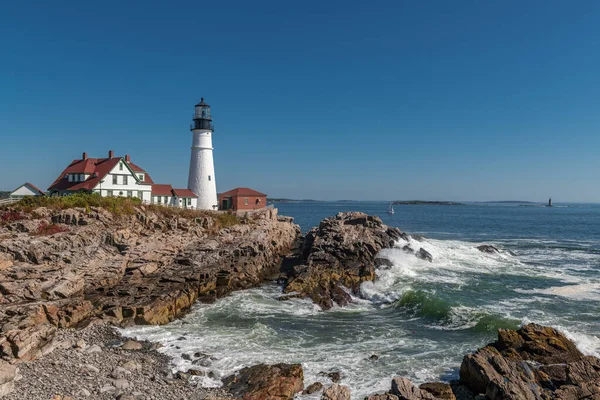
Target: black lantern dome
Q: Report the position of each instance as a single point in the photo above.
(202, 118)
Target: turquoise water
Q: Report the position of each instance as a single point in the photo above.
(419, 318)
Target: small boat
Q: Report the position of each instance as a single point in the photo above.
(391, 208)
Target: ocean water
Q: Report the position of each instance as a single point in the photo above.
(419, 318)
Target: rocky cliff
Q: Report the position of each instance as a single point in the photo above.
(339, 254)
(61, 268)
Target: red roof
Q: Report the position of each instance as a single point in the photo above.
(162, 190)
(97, 168)
(184, 193)
(31, 185)
(243, 192)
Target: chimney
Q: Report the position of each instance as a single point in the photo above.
(127, 158)
(111, 154)
(84, 157)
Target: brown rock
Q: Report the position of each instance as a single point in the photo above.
(279, 381)
(405, 390)
(336, 392)
(8, 373)
(531, 363)
(132, 345)
(439, 390)
(385, 396)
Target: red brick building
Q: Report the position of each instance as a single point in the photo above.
(242, 199)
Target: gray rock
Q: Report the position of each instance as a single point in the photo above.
(315, 387)
(132, 345)
(424, 255)
(488, 248)
(93, 349)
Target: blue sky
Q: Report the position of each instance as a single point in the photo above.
(434, 100)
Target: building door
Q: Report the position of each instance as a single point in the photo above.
(225, 205)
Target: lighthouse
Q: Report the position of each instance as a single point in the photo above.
(201, 179)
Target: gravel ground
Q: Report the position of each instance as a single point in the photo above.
(94, 363)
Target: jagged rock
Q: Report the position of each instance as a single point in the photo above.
(279, 381)
(531, 363)
(340, 253)
(424, 255)
(405, 390)
(407, 248)
(383, 262)
(488, 248)
(314, 388)
(439, 390)
(336, 392)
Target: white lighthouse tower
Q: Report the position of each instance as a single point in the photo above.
(201, 179)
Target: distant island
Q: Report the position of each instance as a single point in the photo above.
(422, 202)
(292, 201)
(507, 202)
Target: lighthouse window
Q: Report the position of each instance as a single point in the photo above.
(209, 177)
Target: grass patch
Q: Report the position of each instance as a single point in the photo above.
(226, 220)
(116, 205)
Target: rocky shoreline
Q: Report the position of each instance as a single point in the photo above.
(90, 269)
(96, 362)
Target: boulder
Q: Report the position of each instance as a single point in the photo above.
(336, 392)
(278, 381)
(531, 363)
(132, 345)
(439, 390)
(406, 390)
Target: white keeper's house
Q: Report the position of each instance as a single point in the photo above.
(118, 176)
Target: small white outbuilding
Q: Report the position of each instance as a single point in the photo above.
(26, 189)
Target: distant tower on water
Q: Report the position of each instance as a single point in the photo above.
(550, 202)
(201, 179)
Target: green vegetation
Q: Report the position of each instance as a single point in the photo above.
(4, 194)
(116, 205)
